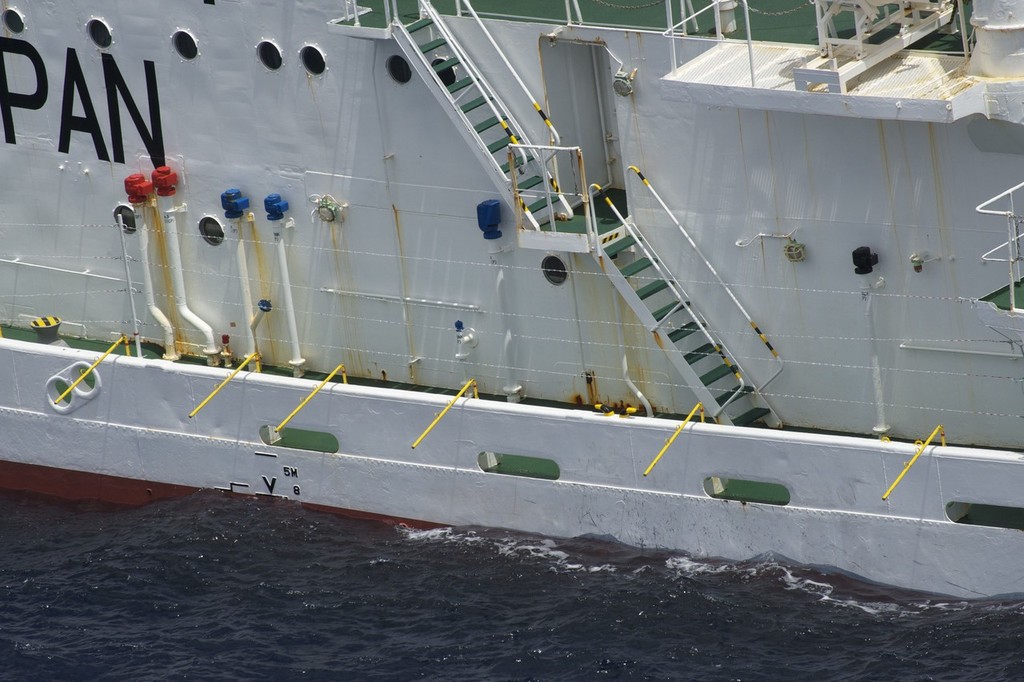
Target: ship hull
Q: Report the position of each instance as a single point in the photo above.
(133, 442)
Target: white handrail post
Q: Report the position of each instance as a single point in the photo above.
(750, 43)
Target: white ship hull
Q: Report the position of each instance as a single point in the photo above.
(134, 442)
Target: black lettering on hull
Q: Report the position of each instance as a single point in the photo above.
(20, 100)
(74, 82)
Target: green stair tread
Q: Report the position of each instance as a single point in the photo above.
(417, 25)
(499, 145)
(635, 267)
(684, 331)
(487, 124)
(432, 45)
(750, 416)
(648, 290)
(619, 245)
(538, 205)
(519, 162)
(446, 64)
(530, 182)
(698, 354)
(460, 84)
(715, 374)
(724, 398)
(474, 104)
(664, 310)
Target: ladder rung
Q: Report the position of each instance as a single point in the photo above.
(446, 64)
(538, 205)
(519, 162)
(619, 245)
(750, 416)
(724, 398)
(682, 332)
(474, 104)
(698, 354)
(433, 45)
(715, 374)
(649, 290)
(500, 144)
(635, 267)
(460, 84)
(664, 310)
(530, 182)
(417, 25)
(485, 125)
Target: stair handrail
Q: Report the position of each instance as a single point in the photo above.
(556, 139)
(764, 339)
(1012, 243)
(720, 347)
(491, 96)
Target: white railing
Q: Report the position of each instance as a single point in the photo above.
(1012, 243)
(715, 7)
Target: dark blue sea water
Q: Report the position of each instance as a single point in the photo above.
(208, 587)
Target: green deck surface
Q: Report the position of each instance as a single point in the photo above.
(1001, 297)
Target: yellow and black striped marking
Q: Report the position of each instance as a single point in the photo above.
(547, 121)
(508, 131)
(764, 339)
(728, 363)
(640, 175)
(611, 236)
(45, 322)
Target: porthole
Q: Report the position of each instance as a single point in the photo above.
(100, 33)
(185, 45)
(212, 230)
(447, 76)
(399, 69)
(313, 60)
(13, 21)
(270, 55)
(554, 270)
(127, 216)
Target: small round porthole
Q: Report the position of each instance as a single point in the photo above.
(313, 60)
(270, 55)
(100, 33)
(554, 269)
(212, 230)
(447, 76)
(399, 69)
(13, 21)
(127, 216)
(185, 45)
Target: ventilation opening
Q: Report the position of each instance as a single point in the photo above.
(518, 465)
(127, 216)
(270, 55)
(300, 439)
(741, 490)
(554, 270)
(185, 45)
(313, 60)
(212, 230)
(13, 21)
(991, 515)
(100, 33)
(399, 69)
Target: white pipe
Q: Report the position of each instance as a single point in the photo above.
(170, 351)
(297, 360)
(131, 288)
(243, 277)
(876, 372)
(167, 210)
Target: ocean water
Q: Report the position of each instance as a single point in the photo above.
(213, 588)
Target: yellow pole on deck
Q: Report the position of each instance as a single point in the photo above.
(672, 438)
(123, 339)
(309, 397)
(221, 385)
(906, 468)
(471, 382)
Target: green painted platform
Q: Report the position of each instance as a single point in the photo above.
(1001, 297)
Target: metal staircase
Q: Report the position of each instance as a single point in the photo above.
(481, 116)
(702, 359)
